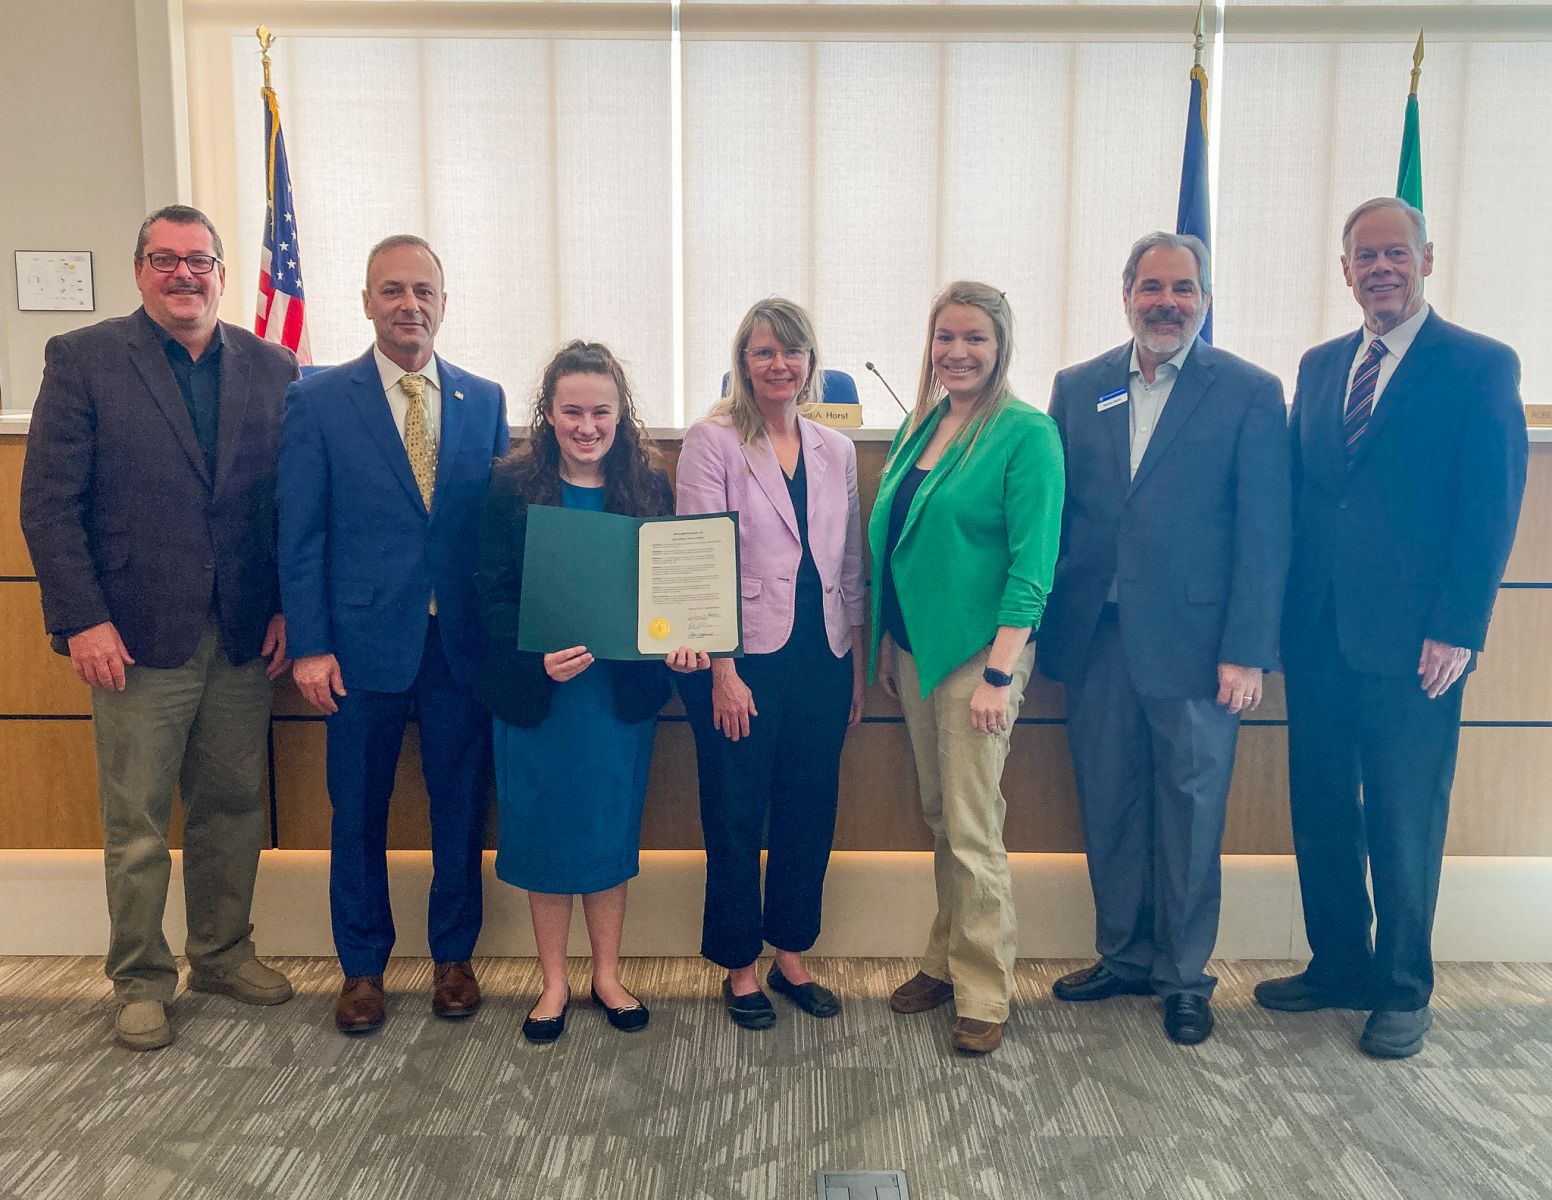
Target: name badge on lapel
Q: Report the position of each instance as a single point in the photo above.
(1111, 399)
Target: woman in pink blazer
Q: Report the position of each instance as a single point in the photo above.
(769, 726)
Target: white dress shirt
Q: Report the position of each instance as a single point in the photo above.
(1147, 400)
(1397, 342)
(390, 373)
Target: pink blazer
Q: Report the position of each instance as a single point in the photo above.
(717, 474)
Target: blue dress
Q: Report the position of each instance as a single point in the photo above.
(570, 790)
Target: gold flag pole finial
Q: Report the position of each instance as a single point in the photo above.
(1417, 62)
(267, 39)
(1201, 29)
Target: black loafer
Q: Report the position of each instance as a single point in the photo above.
(1098, 982)
(543, 1030)
(1395, 1034)
(628, 1018)
(1297, 993)
(753, 1011)
(1188, 1019)
(813, 998)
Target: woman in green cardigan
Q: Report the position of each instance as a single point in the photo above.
(964, 536)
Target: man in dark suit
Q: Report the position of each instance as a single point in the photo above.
(148, 503)
(384, 464)
(1409, 448)
(1163, 616)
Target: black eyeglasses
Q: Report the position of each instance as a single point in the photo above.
(166, 262)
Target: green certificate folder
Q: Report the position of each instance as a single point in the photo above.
(630, 588)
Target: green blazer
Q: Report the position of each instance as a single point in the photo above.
(978, 548)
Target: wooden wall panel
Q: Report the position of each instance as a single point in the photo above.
(1502, 802)
(1531, 559)
(48, 783)
(14, 559)
(671, 819)
(49, 777)
(35, 681)
(1513, 677)
(49, 801)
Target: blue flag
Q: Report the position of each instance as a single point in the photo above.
(1194, 214)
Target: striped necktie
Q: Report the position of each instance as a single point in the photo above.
(1360, 397)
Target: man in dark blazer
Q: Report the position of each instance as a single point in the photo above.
(1162, 618)
(148, 503)
(1408, 455)
(384, 464)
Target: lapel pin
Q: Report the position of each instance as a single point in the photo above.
(457, 395)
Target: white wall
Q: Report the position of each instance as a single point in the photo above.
(72, 162)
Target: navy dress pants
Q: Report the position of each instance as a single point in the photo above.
(777, 786)
(365, 736)
(1370, 764)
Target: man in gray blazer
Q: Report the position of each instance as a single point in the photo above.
(1162, 619)
(148, 503)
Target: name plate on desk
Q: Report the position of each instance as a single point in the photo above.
(836, 416)
(1538, 416)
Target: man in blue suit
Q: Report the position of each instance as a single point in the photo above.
(1163, 616)
(384, 463)
(1408, 456)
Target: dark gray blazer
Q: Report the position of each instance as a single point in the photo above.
(120, 511)
(1197, 543)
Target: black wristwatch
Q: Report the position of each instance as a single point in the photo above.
(996, 678)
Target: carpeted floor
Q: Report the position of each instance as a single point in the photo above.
(1083, 1101)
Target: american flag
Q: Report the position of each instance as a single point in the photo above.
(282, 315)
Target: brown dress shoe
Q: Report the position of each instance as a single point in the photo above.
(977, 1037)
(457, 991)
(919, 993)
(360, 1005)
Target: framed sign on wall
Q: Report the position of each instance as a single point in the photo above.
(54, 281)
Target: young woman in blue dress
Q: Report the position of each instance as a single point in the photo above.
(572, 737)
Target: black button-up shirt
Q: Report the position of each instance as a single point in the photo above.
(200, 383)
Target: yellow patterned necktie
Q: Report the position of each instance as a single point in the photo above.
(416, 444)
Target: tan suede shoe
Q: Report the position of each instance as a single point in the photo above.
(142, 1025)
(977, 1037)
(920, 993)
(251, 982)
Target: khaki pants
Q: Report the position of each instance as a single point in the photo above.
(204, 727)
(959, 773)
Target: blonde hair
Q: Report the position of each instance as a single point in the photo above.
(790, 325)
(930, 392)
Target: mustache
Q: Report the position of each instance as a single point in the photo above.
(1165, 317)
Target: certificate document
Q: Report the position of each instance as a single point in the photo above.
(630, 588)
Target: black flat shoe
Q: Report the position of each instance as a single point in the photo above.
(541, 1031)
(813, 998)
(753, 1011)
(1188, 1019)
(628, 1018)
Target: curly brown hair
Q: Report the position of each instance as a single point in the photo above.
(630, 485)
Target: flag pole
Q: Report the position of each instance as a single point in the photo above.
(1201, 36)
(281, 315)
(267, 39)
(1409, 173)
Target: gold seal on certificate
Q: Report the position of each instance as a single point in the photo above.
(658, 628)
